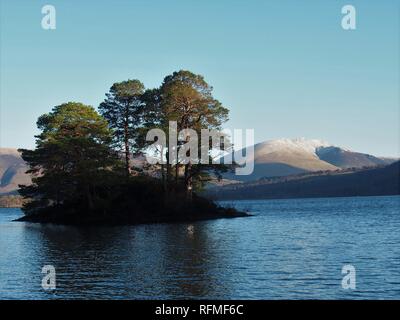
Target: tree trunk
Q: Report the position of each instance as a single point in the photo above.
(163, 179)
(167, 173)
(188, 181)
(127, 151)
(89, 198)
(176, 176)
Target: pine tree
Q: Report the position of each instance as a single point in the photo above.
(73, 155)
(122, 108)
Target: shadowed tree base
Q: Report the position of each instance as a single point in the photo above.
(60, 215)
(141, 200)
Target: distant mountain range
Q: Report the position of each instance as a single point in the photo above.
(274, 158)
(283, 157)
(348, 182)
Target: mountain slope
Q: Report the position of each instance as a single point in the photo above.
(12, 171)
(347, 159)
(365, 182)
(283, 157)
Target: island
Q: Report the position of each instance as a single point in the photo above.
(84, 168)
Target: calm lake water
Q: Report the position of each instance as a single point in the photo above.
(291, 249)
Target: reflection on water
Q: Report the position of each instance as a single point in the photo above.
(289, 249)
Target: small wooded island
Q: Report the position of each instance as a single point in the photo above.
(82, 168)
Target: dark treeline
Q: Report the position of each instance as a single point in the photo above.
(82, 163)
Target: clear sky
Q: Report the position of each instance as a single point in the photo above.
(284, 68)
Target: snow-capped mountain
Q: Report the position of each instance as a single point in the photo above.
(349, 159)
(284, 157)
(297, 144)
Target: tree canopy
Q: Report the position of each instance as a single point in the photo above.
(73, 155)
(122, 108)
(187, 98)
(78, 154)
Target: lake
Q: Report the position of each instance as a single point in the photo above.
(289, 249)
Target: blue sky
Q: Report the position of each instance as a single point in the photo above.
(284, 68)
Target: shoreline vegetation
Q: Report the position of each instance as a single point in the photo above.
(81, 168)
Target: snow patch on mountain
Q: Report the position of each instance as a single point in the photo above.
(298, 145)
